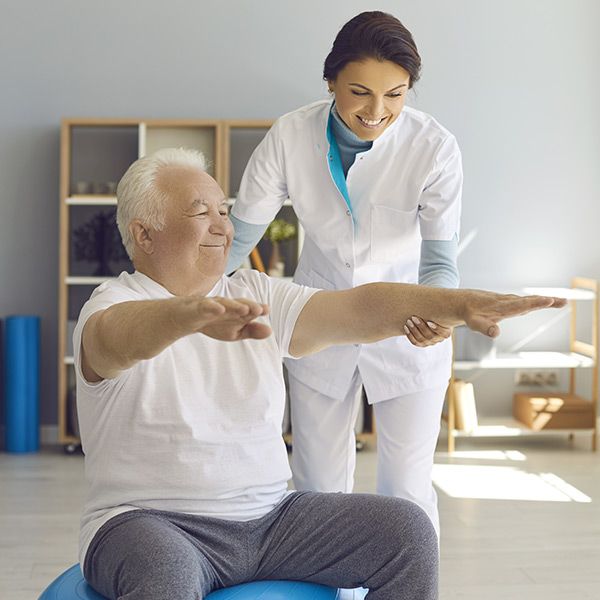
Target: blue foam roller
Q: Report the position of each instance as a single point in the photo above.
(72, 586)
(21, 375)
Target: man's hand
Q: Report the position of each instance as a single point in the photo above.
(232, 320)
(423, 333)
(115, 339)
(376, 311)
(484, 310)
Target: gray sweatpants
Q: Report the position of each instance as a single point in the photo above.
(385, 544)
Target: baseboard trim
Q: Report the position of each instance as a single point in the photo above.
(48, 435)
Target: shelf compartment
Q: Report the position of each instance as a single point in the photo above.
(242, 138)
(202, 136)
(540, 411)
(578, 413)
(77, 296)
(528, 360)
(99, 157)
(289, 249)
(95, 247)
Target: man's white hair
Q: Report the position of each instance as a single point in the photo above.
(138, 196)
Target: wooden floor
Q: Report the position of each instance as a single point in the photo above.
(520, 519)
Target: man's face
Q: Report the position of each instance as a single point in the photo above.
(369, 95)
(198, 233)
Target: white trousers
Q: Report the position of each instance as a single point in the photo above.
(324, 452)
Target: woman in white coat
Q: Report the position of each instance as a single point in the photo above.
(377, 187)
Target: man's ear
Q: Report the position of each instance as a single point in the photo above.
(142, 236)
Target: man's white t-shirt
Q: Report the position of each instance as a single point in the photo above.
(196, 429)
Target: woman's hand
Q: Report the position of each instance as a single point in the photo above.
(425, 333)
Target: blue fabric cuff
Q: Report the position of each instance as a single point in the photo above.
(438, 266)
(246, 237)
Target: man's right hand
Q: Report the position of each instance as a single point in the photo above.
(116, 338)
(231, 319)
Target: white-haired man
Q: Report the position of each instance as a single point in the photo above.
(180, 396)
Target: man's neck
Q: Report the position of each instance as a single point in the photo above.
(179, 284)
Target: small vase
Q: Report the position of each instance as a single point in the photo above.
(276, 264)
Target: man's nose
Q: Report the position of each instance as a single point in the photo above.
(218, 225)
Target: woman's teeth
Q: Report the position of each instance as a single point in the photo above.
(370, 123)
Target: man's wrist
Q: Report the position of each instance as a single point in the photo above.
(454, 304)
(462, 305)
(184, 315)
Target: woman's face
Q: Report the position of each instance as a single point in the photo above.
(369, 95)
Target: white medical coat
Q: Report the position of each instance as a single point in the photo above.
(406, 188)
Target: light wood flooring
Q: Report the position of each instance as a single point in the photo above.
(520, 519)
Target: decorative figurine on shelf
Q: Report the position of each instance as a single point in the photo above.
(99, 240)
(278, 231)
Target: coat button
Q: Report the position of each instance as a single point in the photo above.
(348, 212)
(348, 265)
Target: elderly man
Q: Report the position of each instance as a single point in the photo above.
(181, 395)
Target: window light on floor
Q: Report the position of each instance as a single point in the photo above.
(504, 483)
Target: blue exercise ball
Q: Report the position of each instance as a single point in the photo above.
(275, 590)
(72, 586)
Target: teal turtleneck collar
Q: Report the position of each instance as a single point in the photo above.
(349, 143)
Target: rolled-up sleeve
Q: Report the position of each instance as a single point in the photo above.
(440, 202)
(263, 189)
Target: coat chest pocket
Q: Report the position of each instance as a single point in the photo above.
(394, 233)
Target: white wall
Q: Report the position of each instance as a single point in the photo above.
(517, 81)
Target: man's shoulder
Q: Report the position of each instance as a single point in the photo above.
(259, 286)
(124, 288)
(126, 284)
(248, 282)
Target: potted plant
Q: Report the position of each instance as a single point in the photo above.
(98, 241)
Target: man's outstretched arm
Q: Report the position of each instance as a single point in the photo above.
(115, 339)
(376, 311)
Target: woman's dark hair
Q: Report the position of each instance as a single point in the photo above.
(377, 35)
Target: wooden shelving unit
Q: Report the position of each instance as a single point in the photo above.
(581, 355)
(94, 154)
